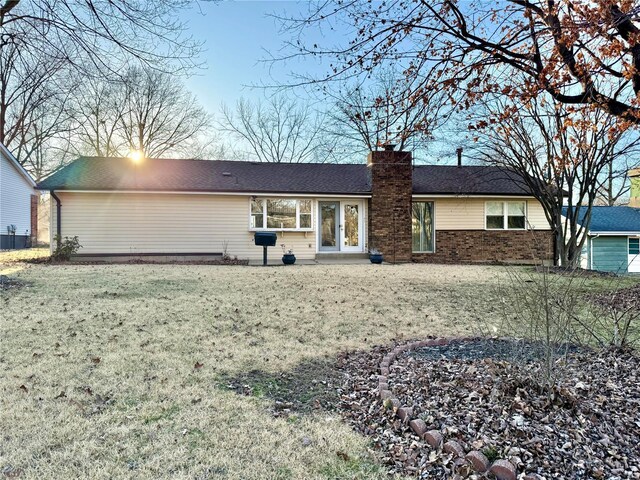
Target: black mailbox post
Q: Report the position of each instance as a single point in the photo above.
(265, 239)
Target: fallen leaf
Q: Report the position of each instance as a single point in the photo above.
(343, 456)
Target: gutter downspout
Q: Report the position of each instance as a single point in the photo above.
(58, 218)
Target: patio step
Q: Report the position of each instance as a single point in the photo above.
(342, 256)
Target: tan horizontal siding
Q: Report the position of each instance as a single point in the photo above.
(536, 216)
(176, 223)
(161, 223)
(468, 213)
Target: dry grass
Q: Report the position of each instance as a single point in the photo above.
(106, 356)
(11, 260)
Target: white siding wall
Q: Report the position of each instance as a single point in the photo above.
(167, 223)
(183, 223)
(468, 213)
(15, 198)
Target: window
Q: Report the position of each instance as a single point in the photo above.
(423, 227)
(280, 214)
(305, 213)
(495, 215)
(634, 246)
(516, 215)
(257, 214)
(506, 215)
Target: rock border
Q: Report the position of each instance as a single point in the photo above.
(502, 469)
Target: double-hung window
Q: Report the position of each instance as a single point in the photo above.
(506, 215)
(634, 246)
(280, 214)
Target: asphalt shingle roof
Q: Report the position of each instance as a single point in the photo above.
(97, 173)
(612, 219)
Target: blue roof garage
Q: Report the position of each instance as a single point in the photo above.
(613, 243)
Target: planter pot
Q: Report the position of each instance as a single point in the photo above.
(288, 259)
(375, 258)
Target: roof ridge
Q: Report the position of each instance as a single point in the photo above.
(220, 160)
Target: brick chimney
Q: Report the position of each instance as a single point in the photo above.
(634, 178)
(391, 177)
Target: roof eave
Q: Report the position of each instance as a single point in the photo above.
(616, 233)
(202, 191)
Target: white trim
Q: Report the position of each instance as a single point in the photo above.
(264, 216)
(362, 232)
(360, 247)
(434, 229)
(505, 215)
(243, 194)
(426, 196)
(17, 165)
(633, 260)
(329, 196)
(613, 234)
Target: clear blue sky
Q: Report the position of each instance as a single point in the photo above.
(238, 36)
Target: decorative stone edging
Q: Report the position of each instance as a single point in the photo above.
(502, 469)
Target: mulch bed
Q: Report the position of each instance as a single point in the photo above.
(621, 300)
(588, 428)
(575, 271)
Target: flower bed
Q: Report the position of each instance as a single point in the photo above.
(438, 409)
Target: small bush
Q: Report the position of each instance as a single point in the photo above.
(66, 247)
(553, 312)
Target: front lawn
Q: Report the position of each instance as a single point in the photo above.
(133, 371)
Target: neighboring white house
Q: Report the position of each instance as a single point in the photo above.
(18, 203)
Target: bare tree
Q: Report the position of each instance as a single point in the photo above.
(376, 113)
(559, 156)
(47, 47)
(277, 129)
(581, 53)
(100, 33)
(98, 107)
(145, 110)
(613, 183)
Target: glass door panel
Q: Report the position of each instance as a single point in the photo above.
(351, 236)
(329, 226)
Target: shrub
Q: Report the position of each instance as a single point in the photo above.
(540, 309)
(550, 311)
(65, 247)
(615, 321)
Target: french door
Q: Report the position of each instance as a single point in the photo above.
(341, 226)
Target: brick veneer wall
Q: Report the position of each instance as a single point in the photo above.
(390, 205)
(34, 219)
(477, 246)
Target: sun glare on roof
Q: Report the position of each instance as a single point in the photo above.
(136, 156)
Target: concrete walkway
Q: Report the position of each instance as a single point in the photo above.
(274, 262)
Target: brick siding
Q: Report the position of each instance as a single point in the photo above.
(490, 246)
(390, 204)
(34, 219)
